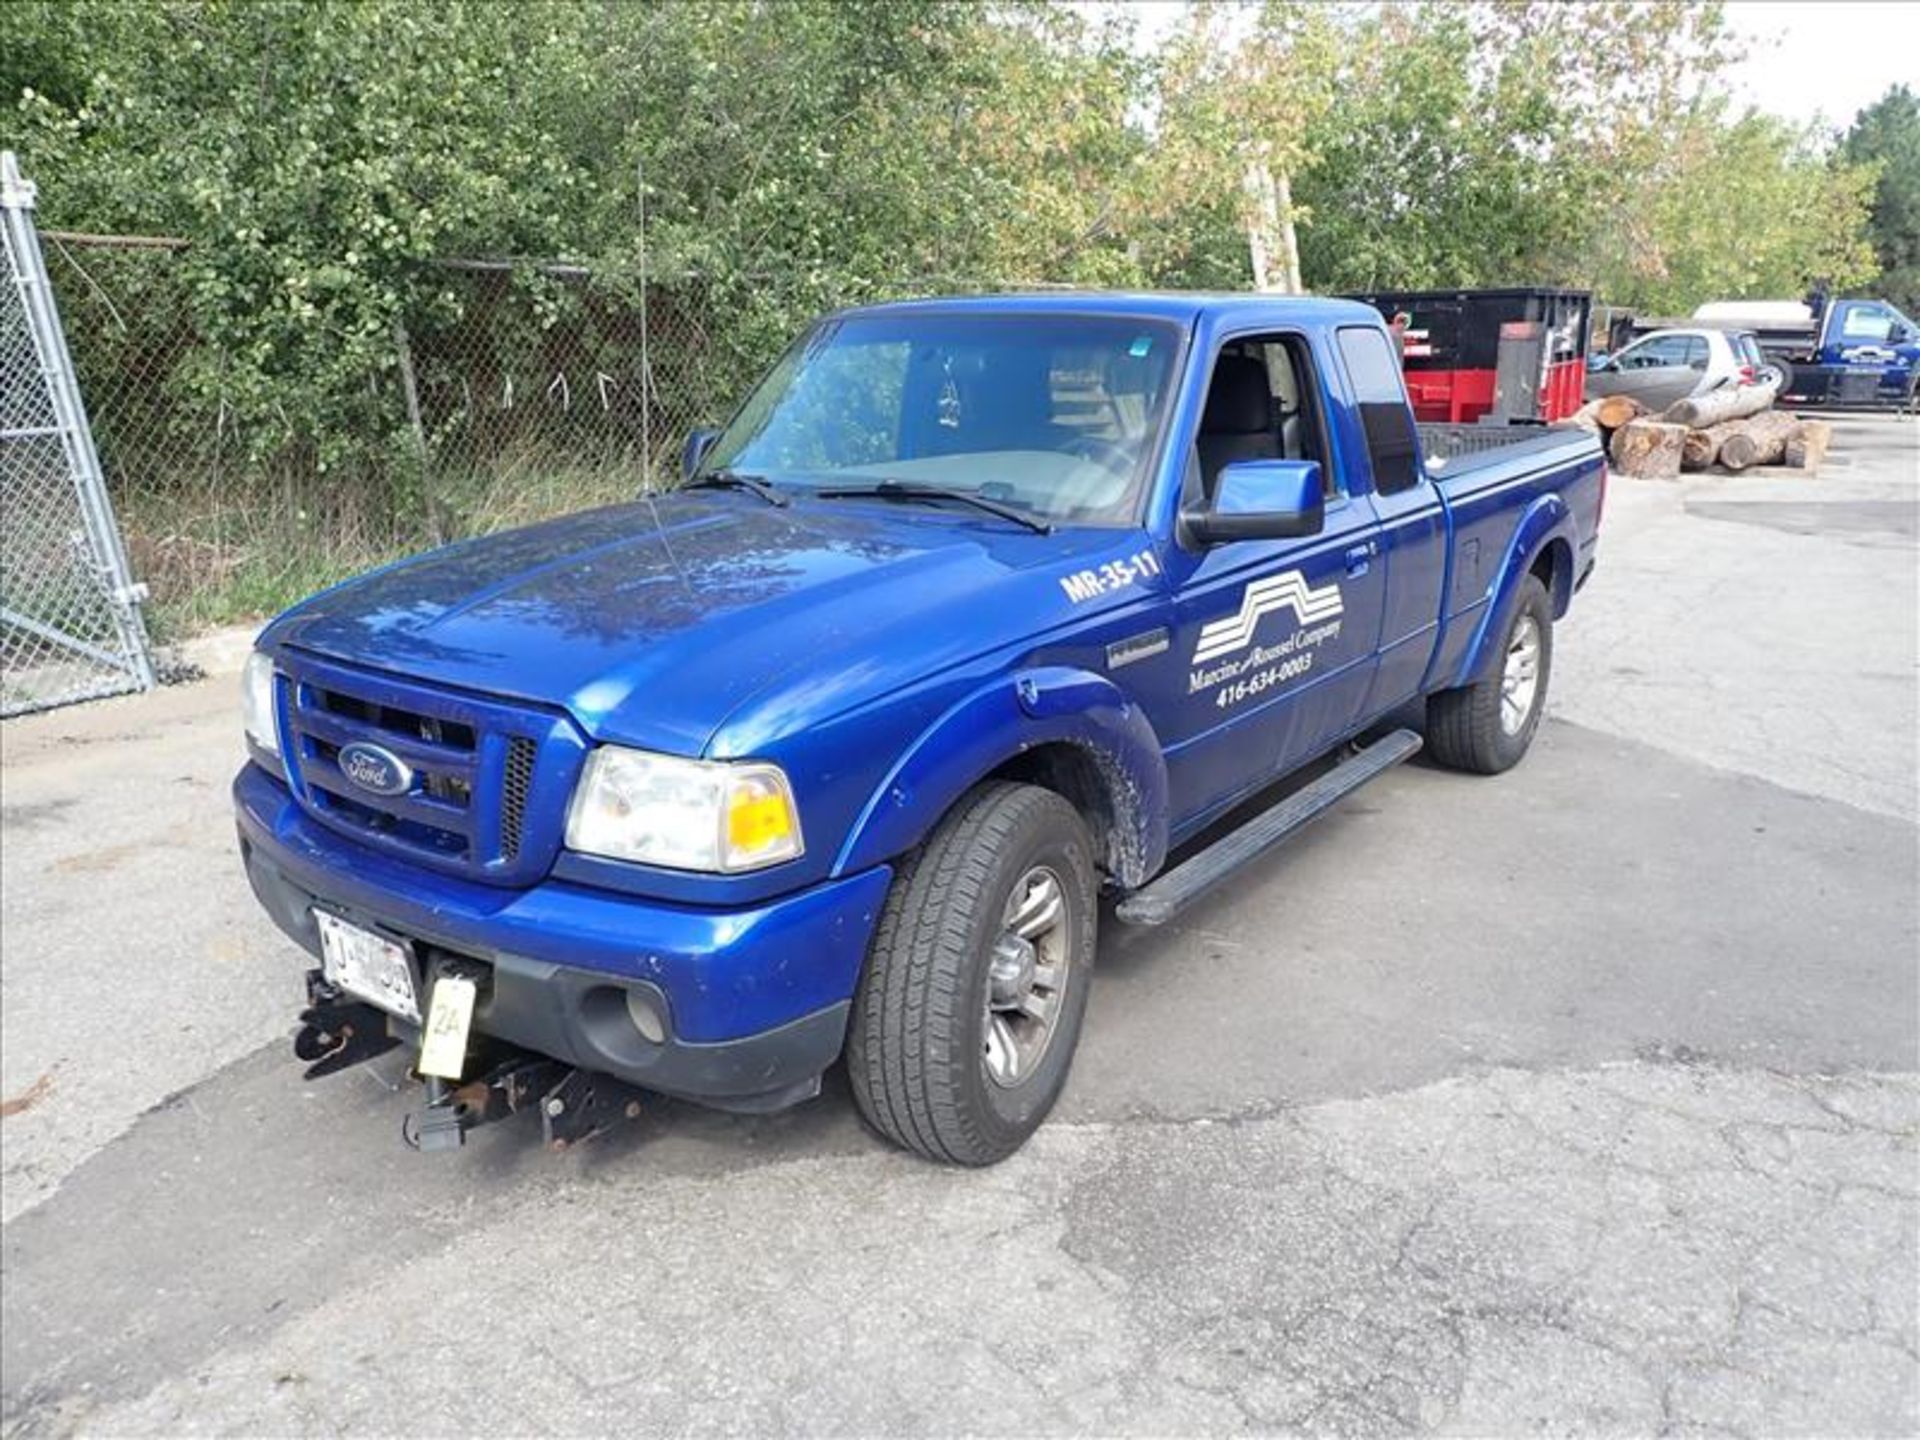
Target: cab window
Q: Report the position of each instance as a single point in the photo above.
(1261, 405)
(1867, 322)
(1387, 420)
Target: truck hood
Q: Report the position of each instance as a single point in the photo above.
(653, 622)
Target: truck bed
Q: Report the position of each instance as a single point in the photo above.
(1456, 450)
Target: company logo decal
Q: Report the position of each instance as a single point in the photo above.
(375, 768)
(1261, 599)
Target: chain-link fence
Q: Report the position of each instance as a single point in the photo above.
(572, 390)
(515, 394)
(513, 391)
(70, 624)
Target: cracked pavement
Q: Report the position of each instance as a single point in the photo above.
(1579, 1101)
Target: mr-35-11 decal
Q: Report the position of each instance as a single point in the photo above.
(1317, 620)
(1085, 585)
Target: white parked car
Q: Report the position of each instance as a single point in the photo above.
(1671, 365)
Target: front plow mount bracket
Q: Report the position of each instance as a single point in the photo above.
(574, 1105)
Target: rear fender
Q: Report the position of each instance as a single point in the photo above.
(1547, 521)
(996, 724)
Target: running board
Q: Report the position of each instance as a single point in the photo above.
(1162, 899)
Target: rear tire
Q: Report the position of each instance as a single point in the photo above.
(967, 1014)
(1486, 727)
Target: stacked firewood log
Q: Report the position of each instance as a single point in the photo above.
(1735, 428)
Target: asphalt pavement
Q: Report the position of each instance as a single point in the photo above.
(1580, 1100)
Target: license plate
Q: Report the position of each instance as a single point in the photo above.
(370, 966)
(443, 1042)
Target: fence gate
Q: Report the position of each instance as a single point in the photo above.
(70, 625)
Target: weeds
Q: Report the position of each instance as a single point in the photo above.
(213, 559)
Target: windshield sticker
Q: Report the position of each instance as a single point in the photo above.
(1141, 345)
(949, 402)
(1316, 615)
(1085, 585)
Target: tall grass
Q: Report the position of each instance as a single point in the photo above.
(212, 559)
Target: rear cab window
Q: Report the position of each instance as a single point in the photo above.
(1393, 447)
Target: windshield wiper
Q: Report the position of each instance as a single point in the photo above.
(906, 490)
(736, 480)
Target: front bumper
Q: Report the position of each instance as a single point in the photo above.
(755, 1000)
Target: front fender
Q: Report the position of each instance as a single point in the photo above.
(1000, 721)
(1547, 521)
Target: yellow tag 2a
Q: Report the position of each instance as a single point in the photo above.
(443, 1044)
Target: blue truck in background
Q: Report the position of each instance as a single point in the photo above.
(977, 609)
(1849, 352)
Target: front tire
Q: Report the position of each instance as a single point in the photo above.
(966, 1018)
(1487, 727)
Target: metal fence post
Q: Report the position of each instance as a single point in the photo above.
(69, 607)
(410, 391)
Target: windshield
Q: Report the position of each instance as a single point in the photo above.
(1056, 414)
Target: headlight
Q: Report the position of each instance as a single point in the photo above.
(684, 814)
(256, 702)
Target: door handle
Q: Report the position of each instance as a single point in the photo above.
(1359, 557)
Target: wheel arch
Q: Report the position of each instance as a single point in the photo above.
(1553, 567)
(1542, 546)
(1066, 729)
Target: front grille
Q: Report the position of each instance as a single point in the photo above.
(395, 720)
(515, 785)
(484, 781)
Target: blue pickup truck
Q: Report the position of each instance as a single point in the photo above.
(975, 610)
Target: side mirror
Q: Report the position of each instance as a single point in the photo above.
(1260, 500)
(695, 450)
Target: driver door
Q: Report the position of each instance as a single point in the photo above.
(1273, 642)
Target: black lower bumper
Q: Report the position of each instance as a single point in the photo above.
(583, 1017)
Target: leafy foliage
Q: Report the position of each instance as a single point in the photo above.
(808, 154)
(1750, 209)
(321, 157)
(1564, 144)
(1886, 135)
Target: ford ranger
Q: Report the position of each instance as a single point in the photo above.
(976, 609)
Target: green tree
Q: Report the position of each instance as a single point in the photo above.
(314, 155)
(1232, 104)
(1744, 209)
(1886, 135)
(1524, 142)
(319, 156)
(1480, 144)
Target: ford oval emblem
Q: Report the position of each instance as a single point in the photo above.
(375, 768)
